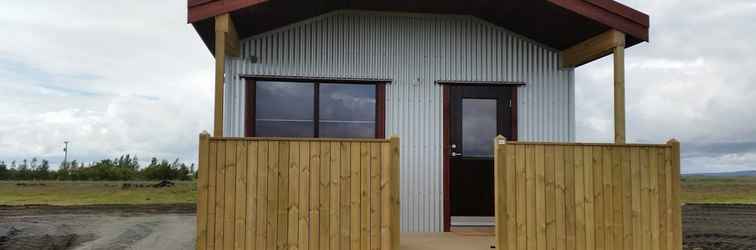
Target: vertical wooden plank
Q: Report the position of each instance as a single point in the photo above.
(304, 195)
(293, 226)
(560, 197)
(579, 199)
(645, 215)
(211, 193)
(346, 183)
(262, 195)
(570, 211)
(252, 201)
(627, 190)
(273, 193)
(607, 164)
(240, 213)
(315, 196)
(364, 198)
(395, 188)
(385, 196)
(618, 197)
(500, 210)
(588, 168)
(325, 195)
(663, 198)
(530, 179)
(676, 215)
(375, 200)
(202, 184)
(522, 192)
(335, 171)
(355, 196)
(220, 194)
(283, 194)
(230, 194)
(510, 200)
(653, 197)
(550, 197)
(635, 202)
(540, 187)
(598, 197)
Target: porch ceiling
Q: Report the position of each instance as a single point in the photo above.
(556, 23)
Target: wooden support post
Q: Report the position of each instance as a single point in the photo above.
(202, 202)
(226, 43)
(619, 93)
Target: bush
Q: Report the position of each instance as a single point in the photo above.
(124, 168)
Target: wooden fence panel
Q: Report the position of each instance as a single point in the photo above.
(587, 196)
(274, 193)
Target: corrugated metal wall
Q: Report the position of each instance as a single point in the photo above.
(414, 51)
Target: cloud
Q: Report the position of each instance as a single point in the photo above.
(694, 82)
(118, 77)
(111, 77)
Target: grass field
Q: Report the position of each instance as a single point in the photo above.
(85, 193)
(698, 189)
(695, 190)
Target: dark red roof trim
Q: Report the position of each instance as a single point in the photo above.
(203, 9)
(610, 13)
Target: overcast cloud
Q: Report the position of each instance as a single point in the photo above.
(118, 77)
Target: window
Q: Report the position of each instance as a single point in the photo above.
(314, 109)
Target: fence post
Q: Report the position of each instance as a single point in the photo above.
(676, 205)
(500, 216)
(395, 198)
(202, 183)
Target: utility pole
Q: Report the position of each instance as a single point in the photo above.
(65, 157)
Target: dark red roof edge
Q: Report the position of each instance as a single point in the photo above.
(611, 14)
(203, 9)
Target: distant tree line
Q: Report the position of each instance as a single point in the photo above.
(124, 168)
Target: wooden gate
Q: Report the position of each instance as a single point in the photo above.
(272, 193)
(587, 196)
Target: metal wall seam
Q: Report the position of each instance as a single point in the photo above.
(414, 50)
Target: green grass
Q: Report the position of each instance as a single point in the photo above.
(695, 190)
(719, 189)
(89, 193)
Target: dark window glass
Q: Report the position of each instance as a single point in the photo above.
(478, 127)
(347, 111)
(284, 109)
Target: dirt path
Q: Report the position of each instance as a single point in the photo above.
(722, 227)
(97, 227)
(165, 227)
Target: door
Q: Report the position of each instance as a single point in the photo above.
(476, 115)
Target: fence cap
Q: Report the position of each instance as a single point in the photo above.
(501, 140)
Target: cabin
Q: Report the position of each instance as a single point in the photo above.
(341, 124)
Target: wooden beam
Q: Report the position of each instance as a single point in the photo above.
(203, 9)
(592, 49)
(226, 44)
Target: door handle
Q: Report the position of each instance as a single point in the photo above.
(455, 154)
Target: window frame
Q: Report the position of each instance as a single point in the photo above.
(380, 100)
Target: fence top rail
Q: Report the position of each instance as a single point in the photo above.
(588, 144)
(298, 139)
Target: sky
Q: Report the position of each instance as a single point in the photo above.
(132, 77)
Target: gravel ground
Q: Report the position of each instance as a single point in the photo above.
(97, 227)
(165, 227)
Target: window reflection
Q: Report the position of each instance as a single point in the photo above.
(478, 127)
(284, 109)
(347, 111)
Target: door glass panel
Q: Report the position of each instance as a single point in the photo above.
(347, 111)
(284, 109)
(478, 127)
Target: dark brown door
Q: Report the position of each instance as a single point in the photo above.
(476, 115)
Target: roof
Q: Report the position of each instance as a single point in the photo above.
(559, 24)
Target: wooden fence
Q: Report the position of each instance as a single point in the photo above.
(587, 196)
(269, 193)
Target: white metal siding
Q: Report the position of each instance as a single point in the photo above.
(414, 51)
